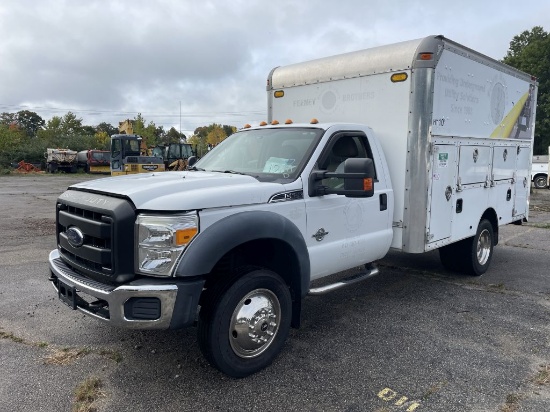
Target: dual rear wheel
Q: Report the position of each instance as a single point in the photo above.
(473, 255)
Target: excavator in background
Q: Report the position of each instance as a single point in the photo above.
(174, 155)
(129, 156)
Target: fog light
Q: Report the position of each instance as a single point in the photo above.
(142, 309)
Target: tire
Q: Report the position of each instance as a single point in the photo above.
(244, 325)
(478, 251)
(539, 182)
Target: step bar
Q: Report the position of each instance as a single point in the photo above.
(370, 271)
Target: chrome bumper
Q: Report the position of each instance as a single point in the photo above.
(178, 299)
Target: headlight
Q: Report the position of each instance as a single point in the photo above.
(161, 240)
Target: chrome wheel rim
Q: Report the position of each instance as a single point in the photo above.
(483, 247)
(254, 323)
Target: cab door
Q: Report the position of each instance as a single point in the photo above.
(345, 232)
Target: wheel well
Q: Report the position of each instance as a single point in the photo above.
(271, 254)
(491, 216)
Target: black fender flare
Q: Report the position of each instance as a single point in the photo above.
(211, 245)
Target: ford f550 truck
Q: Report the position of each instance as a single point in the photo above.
(413, 146)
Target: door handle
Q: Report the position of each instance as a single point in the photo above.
(383, 201)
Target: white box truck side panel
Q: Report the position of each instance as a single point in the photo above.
(480, 98)
(487, 109)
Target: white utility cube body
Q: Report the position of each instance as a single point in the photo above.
(457, 132)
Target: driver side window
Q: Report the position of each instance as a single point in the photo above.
(343, 147)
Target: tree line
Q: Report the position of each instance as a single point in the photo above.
(24, 135)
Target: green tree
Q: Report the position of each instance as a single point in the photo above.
(530, 52)
(102, 140)
(71, 125)
(10, 139)
(215, 135)
(229, 130)
(25, 120)
(107, 128)
(210, 135)
(30, 122)
(173, 136)
(8, 119)
(149, 133)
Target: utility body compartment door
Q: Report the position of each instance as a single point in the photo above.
(443, 184)
(474, 165)
(522, 183)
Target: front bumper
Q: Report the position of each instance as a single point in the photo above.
(141, 304)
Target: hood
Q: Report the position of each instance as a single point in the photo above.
(184, 190)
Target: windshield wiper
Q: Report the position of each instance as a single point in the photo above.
(195, 168)
(234, 172)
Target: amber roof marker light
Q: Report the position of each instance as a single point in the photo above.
(399, 77)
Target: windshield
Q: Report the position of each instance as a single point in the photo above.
(266, 154)
(101, 156)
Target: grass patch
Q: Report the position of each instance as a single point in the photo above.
(66, 356)
(543, 375)
(512, 403)
(86, 393)
(111, 354)
(433, 390)
(11, 336)
(541, 225)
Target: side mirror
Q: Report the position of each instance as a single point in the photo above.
(191, 161)
(358, 180)
(363, 186)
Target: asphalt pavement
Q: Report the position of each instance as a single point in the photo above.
(414, 338)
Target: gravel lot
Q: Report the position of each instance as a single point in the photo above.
(415, 338)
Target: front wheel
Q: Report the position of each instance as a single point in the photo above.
(243, 326)
(539, 182)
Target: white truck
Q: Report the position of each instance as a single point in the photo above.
(61, 160)
(419, 148)
(539, 171)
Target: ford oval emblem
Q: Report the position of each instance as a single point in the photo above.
(75, 236)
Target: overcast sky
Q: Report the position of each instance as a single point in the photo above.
(106, 61)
